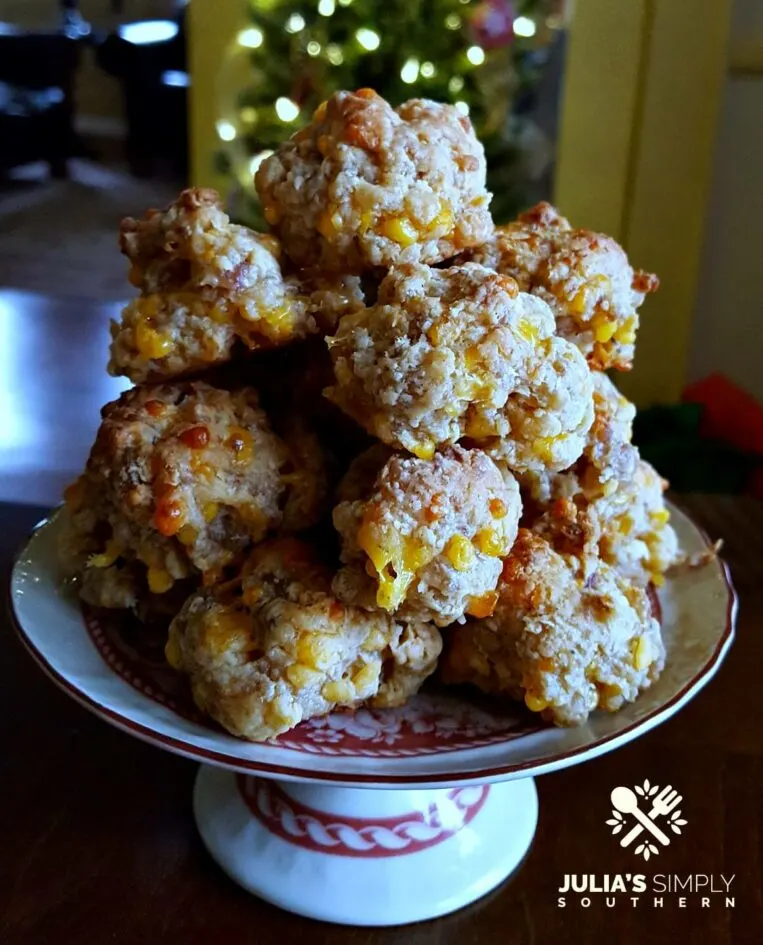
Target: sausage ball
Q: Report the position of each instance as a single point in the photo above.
(424, 539)
(281, 648)
(366, 185)
(181, 480)
(585, 277)
(210, 288)
(563, 645)
(460, 352)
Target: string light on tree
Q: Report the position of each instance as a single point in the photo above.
(226, 130)
(524, 26)
(251, 38)
(475, 54)
(295, 23)
(410, 71)
(368, 39)
(286, 109)
(334, 54)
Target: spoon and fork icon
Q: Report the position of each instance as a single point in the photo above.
(625, 800)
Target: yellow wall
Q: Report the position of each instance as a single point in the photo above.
(645, 178)
(598, 121)
(212, 29)
(726, 332)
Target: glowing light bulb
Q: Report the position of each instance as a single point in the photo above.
(428, 69)
(286, 109)
(462, 107)
(226, 130)
(295, 23)
(368, 39)
(255, 162)
(249, 115)
(251, 38)
(313, 48)
(475, 55)
(524, 26)
(456, 84)
(410, 71)
(453, 21)
(335, 54)
(326, 7)
(344, 3)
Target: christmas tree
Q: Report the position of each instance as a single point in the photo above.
(483, 56)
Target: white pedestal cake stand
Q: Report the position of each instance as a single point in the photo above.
(376, 817)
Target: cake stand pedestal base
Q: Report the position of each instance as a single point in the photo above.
(364, 856)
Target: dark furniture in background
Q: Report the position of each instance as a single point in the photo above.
(37, 104)
(149, 59)
(37, 70)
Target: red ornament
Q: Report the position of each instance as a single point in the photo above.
(492, 24)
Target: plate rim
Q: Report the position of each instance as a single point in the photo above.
(554, 762)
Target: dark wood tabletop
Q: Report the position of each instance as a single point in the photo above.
(97, 839)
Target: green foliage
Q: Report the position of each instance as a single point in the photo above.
(670, 438)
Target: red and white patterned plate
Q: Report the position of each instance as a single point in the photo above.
(440, 738)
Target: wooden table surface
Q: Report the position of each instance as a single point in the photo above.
(97, 840)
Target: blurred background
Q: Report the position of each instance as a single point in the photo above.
(641, 119)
